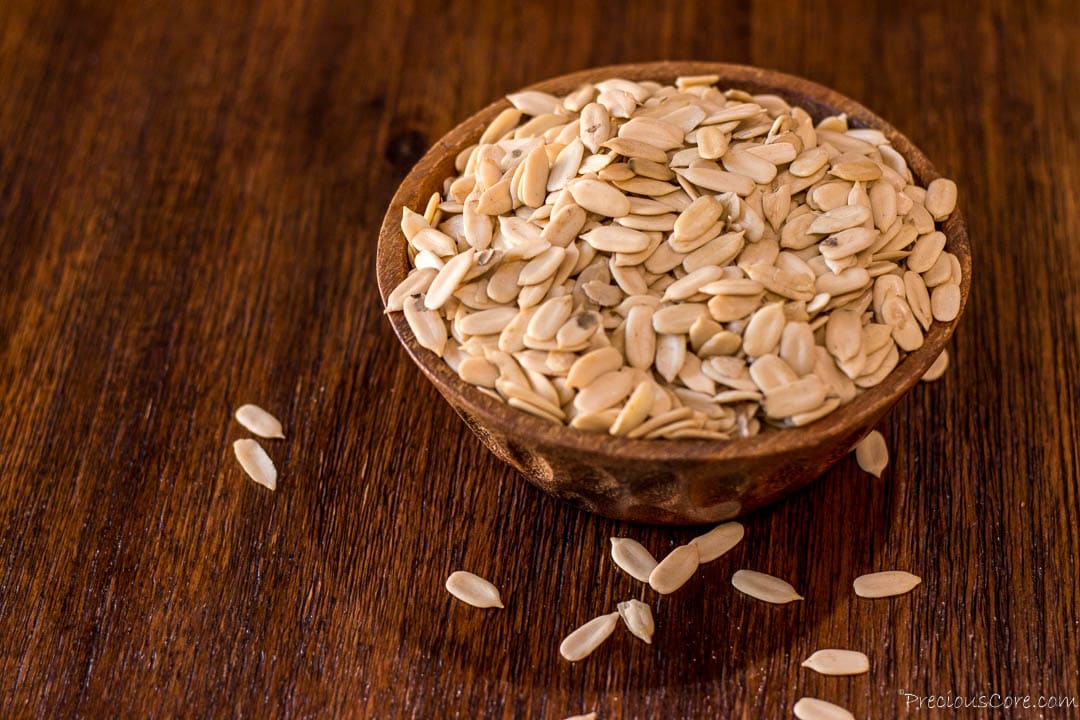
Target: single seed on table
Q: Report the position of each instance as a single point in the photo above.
(638, 619)
(258, 421)
(256, 463)
(674, 570)
(764, 587)
(938, 368)
(885, 584)
(473, 590)
(632, 557)
(809, 708)
(872, 454)
(718, 541)
(579, 644)
(838, 662)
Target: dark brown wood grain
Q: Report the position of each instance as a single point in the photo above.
(190, 195)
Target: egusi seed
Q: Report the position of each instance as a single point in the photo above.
(691, 233)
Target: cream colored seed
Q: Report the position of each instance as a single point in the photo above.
(718, 541)
(473, 590)
(838, 662)
(637, 616)
(259, 421)
(885, 584)
(674, 570)
(256, 463)
(938, 368)
(872, 454)
(808, 708)
(764, 587)
(632, 558)
(581, 643)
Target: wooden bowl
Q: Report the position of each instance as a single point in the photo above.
(663, 481)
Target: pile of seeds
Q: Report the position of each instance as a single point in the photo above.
(660, 261)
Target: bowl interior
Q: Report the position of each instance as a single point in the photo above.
(427, 177)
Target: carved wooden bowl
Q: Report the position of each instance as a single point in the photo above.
(664, 481)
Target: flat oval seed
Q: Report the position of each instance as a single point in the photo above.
(543, 266)
(486, 322)
(925, 252)
(550, 317)
(872, 454)
(592, 365)
(632, 558)
(258, 421)
(473, 590)
(638, 619)
(448, 279)
(764, 587)
(945, 302)
(938, 368)
(599, 197)
(617, 239)
(809, 708)
(718, 541)
(606, 391)
(675, 569)
(764, 330)
(885, 584)
(838, 662)
(256, 463)
(579, 644)
(941, 198)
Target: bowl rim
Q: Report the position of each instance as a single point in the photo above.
(392, 267)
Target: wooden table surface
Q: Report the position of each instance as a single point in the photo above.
(189, 200)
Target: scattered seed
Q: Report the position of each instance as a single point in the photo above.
(838, 662)
(885, 584)
(256, 463)
(764, 587)
(579, 644)
(718, 541)
(872, 454)
(809, 708)
(632, 557)
(638, 619)
(473, 590)
(675, 569)
(258, 421)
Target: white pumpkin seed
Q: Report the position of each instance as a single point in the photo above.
(638, 619)
(581, 643)
(764, 587)
(473, 590)
(838, 662)
(259, 421)
(256, 463)
(885, 584)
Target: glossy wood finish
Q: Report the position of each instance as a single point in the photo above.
(675, 482)
(190, 195)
